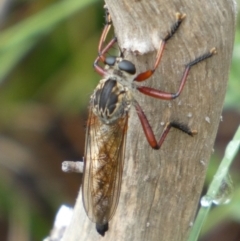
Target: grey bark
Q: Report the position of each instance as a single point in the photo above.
(161, 189)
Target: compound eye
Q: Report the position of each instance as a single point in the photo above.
(127, 66)
(110, 60)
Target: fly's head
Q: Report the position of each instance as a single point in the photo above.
(121, 70)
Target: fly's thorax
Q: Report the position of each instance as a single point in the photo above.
(111, 100)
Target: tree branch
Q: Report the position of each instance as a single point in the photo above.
(161, 189)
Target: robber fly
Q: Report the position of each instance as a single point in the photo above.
(108, 120)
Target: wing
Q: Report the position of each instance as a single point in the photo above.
(103, 167)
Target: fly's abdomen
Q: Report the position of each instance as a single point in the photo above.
(104, 154)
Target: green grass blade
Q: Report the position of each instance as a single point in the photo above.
(230, 152)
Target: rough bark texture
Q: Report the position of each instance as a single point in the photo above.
(161, 189)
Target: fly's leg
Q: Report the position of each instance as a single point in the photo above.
(101, 57)
(149, 132)
(147, 74)
(107, 27)
(169, 96)
(102, 51)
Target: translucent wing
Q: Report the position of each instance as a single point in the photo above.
(104, 155)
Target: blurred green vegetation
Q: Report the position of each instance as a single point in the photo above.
(47, 49)
(40, 53)
(46, 53)
(232, 99)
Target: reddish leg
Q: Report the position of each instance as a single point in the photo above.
(102, 52)
(149, 132)
(169, 96)
(107, 27)
(145, 75)
(101, 57)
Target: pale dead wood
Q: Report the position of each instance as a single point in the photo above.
(72, 166)
(161, 189)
